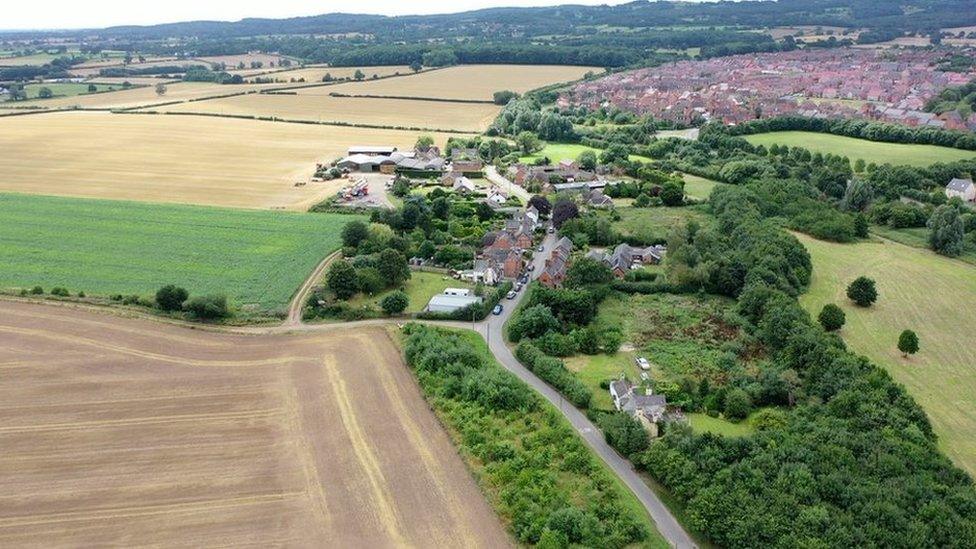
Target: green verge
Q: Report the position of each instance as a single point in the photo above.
(869, 151)
(105, 247)
(535, 471)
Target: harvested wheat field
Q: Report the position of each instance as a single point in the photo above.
(126, 432)
(402, 113)
(315, 74)
(94, 70)
(138, 97)
(181, 159)
(462, 82)
(233, 61)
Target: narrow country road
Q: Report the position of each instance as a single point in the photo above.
(492, 330)
(505, 184)
(294, 317)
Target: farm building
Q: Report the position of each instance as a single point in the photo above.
(371, 150)
(366, 163)
(961, 188)
(446, 303)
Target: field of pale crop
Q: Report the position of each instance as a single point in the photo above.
(184, 159)
(150, 63)
(870, 151)
(121, 432)
(101, 247)
(351, 110)
(463, 82)
(920, 291)
(232, 61)
(315, 74)
(134, 80)
(123, 99)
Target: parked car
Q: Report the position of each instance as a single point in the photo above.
(511, 294)
(552, 230)
(643, 363)
(531, 268)
(497, 310)
(644, 376)
(541, 248)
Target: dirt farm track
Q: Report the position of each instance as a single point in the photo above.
(130, 432)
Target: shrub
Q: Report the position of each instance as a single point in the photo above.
(37, 290)
(207, 307)
(60, 291)
(341, 279)
(908, 343)
(831, 317)
(171, 298)
(862, 291)
(738, 404)
(395, 303)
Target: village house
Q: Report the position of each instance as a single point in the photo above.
(484, 271)
(596, 199)
(554, 272)
(961, 188)
(626, 257)
(648, 409)
(466, 161)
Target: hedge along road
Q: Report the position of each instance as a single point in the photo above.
(492, 330)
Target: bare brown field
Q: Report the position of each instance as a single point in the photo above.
(473, 117)
(315, 74)
(124, 99)
(123, 432)
(181, 159)
(462, 82)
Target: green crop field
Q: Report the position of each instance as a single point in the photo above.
(66, 89)
(870, 151)
(257, 258)
(921, 291)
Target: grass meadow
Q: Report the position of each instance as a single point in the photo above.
(557, 152)
(869, 151)
(257, 258)
(66, 89)
(654, 224)
(917, 290)
(419, 289)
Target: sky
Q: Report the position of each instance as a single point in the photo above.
(73, 14)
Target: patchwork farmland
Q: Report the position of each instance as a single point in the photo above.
(313, 74)
(143, 97)
(240, 163)
(117, 430)
(257, 258)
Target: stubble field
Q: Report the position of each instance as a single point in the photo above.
(182, 159)
(917, 290)
(466, 82)
(143, 97)
(315, 74)
(125, 432)
(350, 110)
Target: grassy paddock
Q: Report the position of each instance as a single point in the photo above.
(419, 289)
(257, 258)
(869, 151)
(917, 290)
(699, 187)
(655, 223)
(557, 152)
(918, 237)
(66, 89)
(704, 423)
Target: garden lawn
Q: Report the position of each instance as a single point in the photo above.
(654, 224)
(703, 423)
(557, 152)
(257, 258)
(420, 288)
(917, 290)
(870, 151)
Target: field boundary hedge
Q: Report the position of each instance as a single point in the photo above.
(412, 98)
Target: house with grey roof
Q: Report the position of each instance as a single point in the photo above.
(961, 188)
(649, 409)
(626, 257)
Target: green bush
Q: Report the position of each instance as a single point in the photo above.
(37, 290)
(60, 291)
(831, 317)
(395, 303)
(207, 307)
(171, 298)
